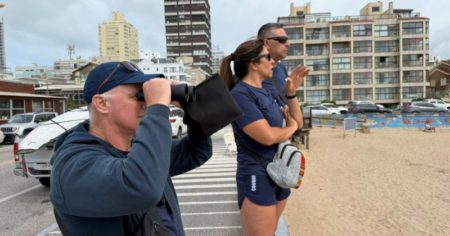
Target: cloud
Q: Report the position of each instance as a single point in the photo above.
(40, 31)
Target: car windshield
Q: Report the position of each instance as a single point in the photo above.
(21, 118)
(330, 105)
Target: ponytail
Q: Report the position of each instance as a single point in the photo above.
(226, 73)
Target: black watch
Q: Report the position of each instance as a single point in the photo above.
(291, 97)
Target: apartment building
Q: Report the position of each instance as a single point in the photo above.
(378, 55)
(217, 56)
(118, 39)
(169, 67)
(188, 31)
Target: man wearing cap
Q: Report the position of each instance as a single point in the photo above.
(109, 173)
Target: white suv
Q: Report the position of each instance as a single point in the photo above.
(439, 103)
(21, 124)
(176, 121)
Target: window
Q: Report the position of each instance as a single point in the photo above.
(412, 28)
(295, 49)
(318, 64)
(318, 80)
(386, 62)
(341, 48)
(49, 106)
(386, 30)
(362, 78)
(317, 33)
(387, 93)
(363, 94)
(37, 106)
(342, 31)
(362, 62)
(291, 64)
(413, 60)
(341, 63)
(362, 46)
(294, 33)
(413, 76)
(317, 49)
(362, 30)
(342, 94)
(386, 46)
(387, 77)
(18, 106)
(375, 9)
(413, 44)
(412, 92)
(316, 96)
(342, 79)
(5, 112)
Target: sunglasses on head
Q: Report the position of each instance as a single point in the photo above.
(280, 39)
(127, 65)
(267, 56)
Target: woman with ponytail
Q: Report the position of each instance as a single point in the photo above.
(258, 131)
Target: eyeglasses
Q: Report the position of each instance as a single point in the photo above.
(280, 39)
(128, 65)
(267, 56)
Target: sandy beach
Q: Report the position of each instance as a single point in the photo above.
(388, 182)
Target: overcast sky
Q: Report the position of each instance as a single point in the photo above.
(40, 31)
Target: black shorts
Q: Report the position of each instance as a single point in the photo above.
(260, 189)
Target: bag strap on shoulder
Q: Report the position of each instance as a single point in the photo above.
(280, 94)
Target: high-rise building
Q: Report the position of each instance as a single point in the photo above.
(118, 39)
(188, 31)
(379, 55)
(217, 56)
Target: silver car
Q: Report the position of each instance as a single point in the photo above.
(417, 107)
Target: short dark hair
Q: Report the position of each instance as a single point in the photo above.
(266, 28)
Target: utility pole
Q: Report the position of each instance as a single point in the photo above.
(3, 66)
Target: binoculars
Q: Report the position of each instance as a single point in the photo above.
(181, 93)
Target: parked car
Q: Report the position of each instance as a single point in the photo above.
(363, 107)
(417, 107)
(21, 124)
(339, 109)
(176, 121)
(439, 103)
(383, 109)
(32, 153)
(318, 110)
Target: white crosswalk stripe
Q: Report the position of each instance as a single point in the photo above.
(207, 196)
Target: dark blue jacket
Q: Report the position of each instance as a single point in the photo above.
(99, 190)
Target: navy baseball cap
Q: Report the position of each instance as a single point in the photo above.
(107, 76)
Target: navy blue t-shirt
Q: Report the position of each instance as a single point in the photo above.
(279, 73)
(256, 104)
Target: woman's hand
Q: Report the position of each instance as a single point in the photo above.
(296, 79)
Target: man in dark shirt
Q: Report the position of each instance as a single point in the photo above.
(108, 172)
(277, 43)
